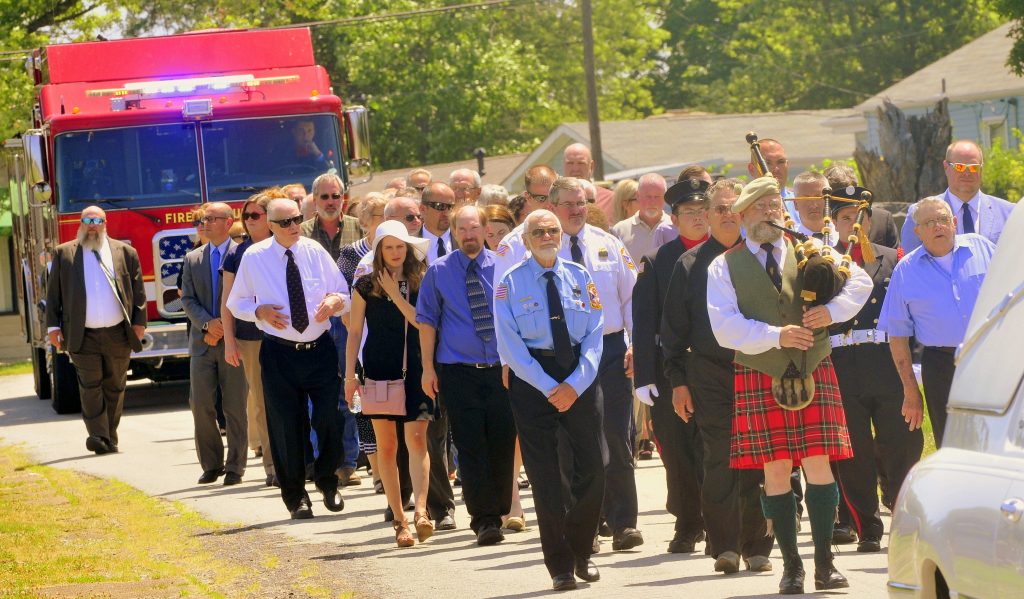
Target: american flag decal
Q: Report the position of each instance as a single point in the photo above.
(171, 252)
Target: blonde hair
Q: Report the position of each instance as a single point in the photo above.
(623, 191)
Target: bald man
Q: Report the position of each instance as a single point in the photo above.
(577, 162)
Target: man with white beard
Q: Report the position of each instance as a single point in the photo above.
(96, 311)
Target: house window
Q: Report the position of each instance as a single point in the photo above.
(993, 129)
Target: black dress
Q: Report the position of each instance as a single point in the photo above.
(382, 351)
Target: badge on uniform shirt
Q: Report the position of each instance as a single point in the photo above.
(626, 258)
(602, 253)
(595, 301)
(501, 291)
(576, 291)
(502, 249)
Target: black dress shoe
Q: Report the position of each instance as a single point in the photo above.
(563, 582)
(97, 445)
(489, 535)
(595, 547)
(332, 498)
(829, 578)
(304, 511)
(446, 523)
(626, 539)
(389, 515)
(113, 447)
(270, 480)
(869, 546)
(682, 542)
(792, 582)
(586, 570)
(604, 530)
(843, 535)
(232, 478)
(210, 476)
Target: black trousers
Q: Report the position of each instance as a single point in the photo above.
(731, 499)
(290, 378)
(937, 367)
(102, 367)
(565, 532)
(615, 395)
(872, 395)
(679, 445)
(485, 434)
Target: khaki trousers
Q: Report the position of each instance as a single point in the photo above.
(255, 406)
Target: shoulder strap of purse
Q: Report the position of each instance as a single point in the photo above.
(113, 286)
(405, 339)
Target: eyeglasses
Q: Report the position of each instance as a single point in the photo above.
(411, 218)
(722, 209)
(940, 220)
(208, 219)
(577, 205)
(540, 232)
(251, 215)
(961, 167)
(539, 198)
(330, 196)
(691, 213)
(419, 188)
(439, 206)
(93, 220)
(775, 206)
(287, 222)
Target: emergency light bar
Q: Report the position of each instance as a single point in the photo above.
(139, 90)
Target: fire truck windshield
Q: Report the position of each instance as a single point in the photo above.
(159, 165)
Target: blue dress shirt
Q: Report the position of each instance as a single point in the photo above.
(925, 301)
(443, 303)
(523, 322)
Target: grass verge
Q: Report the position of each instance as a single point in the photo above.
(24, 367)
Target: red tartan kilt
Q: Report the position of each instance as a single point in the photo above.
(764, 432)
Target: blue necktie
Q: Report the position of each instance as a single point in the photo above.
(483, 321)
(968, 219)
(215, 278)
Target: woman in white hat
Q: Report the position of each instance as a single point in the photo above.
(385, 302)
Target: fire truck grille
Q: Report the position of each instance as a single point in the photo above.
(169, 252)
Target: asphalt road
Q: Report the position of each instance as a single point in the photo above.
(158, 457)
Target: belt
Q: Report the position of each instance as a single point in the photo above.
(480, 365)
(859, 336)
(296, 345)
(945, 350)
(550, 353)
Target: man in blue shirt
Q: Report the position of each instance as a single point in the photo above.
(975, 211)
(455, 311)
(548, 319)
(931, 297)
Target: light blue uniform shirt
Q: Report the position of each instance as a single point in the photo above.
(927, 302)
(522, 321)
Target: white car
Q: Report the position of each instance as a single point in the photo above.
(956, 528)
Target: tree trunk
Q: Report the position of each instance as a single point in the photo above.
(912, 150)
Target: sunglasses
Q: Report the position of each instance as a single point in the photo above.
(410, 218)
(439, 206)
(330, 196)
(541, 232)
(722, 209)
(251, 215)
(287, 222)
(93, 220)
(961, 167)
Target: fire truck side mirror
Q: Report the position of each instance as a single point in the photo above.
(357, 143)
(35, 156)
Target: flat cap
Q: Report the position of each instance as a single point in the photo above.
(755, 190)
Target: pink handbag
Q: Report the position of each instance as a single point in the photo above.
(386, 398)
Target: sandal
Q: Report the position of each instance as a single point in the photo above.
(424, 527)
(402, 535)
(378, 487)
(514, 523)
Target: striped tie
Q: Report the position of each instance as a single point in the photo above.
(483, 322)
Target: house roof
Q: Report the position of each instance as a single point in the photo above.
(496, 170)
(974, 71)
(669, 142)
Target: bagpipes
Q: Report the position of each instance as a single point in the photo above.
(820, 276)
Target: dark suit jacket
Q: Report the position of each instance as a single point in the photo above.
(883, 229)
(648, 301)
(197, 293)
(65, 291)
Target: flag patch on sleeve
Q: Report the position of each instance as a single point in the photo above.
(502, 249)
(626, 258)
(501, 291)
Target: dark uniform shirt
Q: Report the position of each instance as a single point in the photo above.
(648, 299)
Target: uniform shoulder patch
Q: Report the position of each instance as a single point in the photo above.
(503, 249)
(501, 291)
(627, 258)
(595, 300)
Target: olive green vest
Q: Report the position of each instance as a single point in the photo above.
(759, 300)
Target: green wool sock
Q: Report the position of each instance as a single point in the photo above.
(821, 511)
(781, 510)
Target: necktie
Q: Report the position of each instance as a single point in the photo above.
(967, 219)
(772, 266)
(483, 322)
(296, 296)
(818, 236)
(559, 329)
(577, 252)
(215, 279)
(440, 247)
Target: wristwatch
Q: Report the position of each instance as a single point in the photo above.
(206, 325)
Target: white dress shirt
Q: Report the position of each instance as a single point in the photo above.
(735, 331)
(102, 308)
(445, 238)
(262, 279)
(833, 237)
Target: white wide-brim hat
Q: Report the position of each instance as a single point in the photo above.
(394, 228)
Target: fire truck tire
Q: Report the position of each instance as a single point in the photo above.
(40, 377)
(64, 384)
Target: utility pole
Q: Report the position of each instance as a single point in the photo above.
(588, 70)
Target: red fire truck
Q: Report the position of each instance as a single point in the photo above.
(148, 129)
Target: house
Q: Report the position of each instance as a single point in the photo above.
(496, 170)
(984, 94)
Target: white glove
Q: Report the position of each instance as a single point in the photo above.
(647, 394)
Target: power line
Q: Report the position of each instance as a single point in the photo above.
(394, 16)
